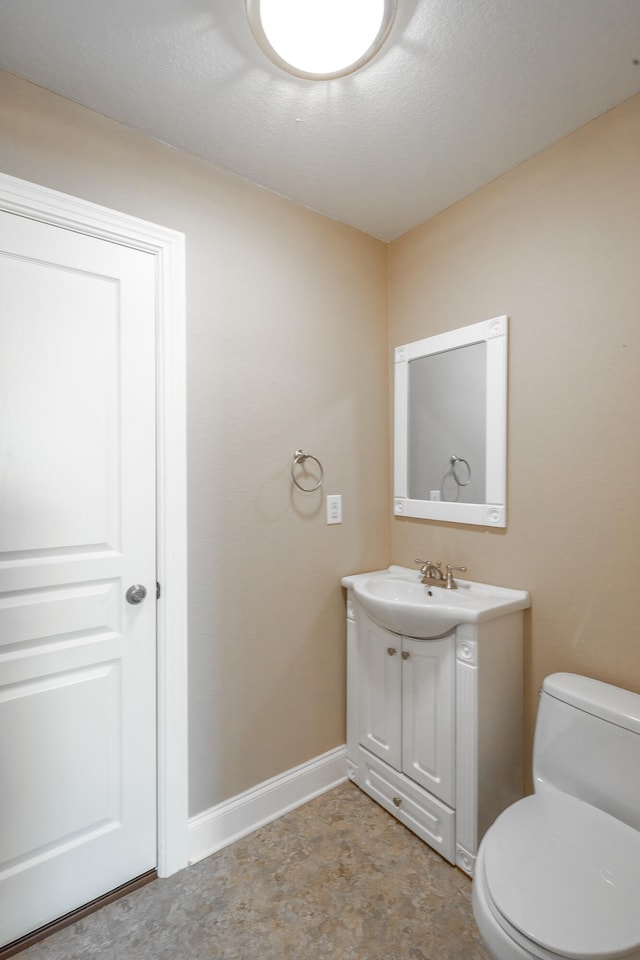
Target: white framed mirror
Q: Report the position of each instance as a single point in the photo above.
(450, 442)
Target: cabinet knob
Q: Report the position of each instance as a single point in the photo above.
(397, 801)
(391, 651)
(405, 654)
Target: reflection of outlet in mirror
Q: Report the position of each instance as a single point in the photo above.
(334, 508)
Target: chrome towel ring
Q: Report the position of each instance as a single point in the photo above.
(299, 457)
(454, 461)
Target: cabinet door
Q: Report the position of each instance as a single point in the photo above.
(428, 715)
(380, 679)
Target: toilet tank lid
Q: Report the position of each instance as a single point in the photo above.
(603, 700)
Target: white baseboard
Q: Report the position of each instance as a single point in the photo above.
(235, 818)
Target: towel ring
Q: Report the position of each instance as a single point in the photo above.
(299, 457)
(455, 460)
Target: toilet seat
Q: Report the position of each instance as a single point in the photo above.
(562, 879)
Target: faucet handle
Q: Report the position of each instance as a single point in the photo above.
(451, 584)
(429, 568)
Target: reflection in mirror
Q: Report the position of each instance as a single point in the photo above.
(446, 454)
(450, 426)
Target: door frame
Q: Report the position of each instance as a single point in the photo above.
(168, 247)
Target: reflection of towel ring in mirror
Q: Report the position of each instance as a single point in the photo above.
(455, 460)
(299, 457)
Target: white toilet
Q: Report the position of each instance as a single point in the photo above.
(558, 873)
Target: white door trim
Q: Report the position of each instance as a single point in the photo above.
(40, 203)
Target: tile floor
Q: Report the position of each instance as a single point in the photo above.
(336, 879)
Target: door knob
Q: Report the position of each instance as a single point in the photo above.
(136, 593)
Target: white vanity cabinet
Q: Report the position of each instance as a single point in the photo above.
(434, 727)
(407, 705)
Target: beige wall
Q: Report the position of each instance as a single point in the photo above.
(555, 244)
(286, 349)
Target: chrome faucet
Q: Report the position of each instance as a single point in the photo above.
(431, 573)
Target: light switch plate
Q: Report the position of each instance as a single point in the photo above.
(334, 508)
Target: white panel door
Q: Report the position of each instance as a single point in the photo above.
(77, 528)
(380, 690)
(428, 707)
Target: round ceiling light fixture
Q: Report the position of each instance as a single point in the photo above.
(321, 39)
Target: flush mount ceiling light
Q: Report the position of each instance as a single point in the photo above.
(321, 39)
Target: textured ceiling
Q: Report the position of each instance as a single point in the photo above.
(463, 91)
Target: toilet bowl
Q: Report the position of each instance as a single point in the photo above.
(558, 873)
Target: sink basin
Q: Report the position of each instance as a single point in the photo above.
(396, 599)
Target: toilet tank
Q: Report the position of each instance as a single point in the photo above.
(587, 744)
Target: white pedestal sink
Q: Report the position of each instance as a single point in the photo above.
(396, 599)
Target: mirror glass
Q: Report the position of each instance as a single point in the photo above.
(450, 426)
